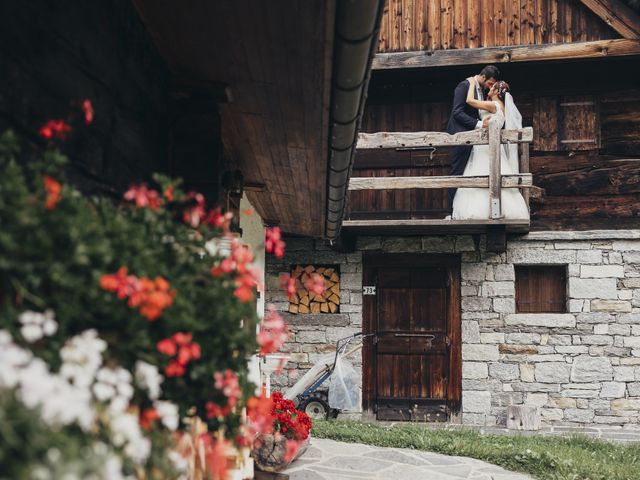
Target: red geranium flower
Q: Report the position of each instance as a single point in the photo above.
(55, 129)
(53, 189)
(174, 369)
(148, 417)
(179, 346)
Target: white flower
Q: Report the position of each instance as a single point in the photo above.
(36, 325)
(31, 332)
(103, 391)
(168, 414)
(114, 384)
(82, 357)
(126, 433)
(149, 379)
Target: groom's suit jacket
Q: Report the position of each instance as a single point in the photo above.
(463, 116)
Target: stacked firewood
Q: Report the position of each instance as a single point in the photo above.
(305, 301)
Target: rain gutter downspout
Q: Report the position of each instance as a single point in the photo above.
(355, 44)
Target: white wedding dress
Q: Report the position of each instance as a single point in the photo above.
(473, 203)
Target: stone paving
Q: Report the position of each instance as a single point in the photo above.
(328, 460)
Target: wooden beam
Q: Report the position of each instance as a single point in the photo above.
(432, 226)
(495, 183)
(439, 139)
(617, 15)
(507, 54)
(523, 180)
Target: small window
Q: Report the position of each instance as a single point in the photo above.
(541, 289)
(564, 124)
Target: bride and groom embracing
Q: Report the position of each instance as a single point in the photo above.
(472, 110)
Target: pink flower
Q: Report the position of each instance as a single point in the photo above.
(273, 242)
(227, 381)
(87, 109)
(273, 332)
(143, 197)
(194, 215)
(315, 284)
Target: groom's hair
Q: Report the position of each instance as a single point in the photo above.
(491, 71)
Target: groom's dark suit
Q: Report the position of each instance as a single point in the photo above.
(463, 118)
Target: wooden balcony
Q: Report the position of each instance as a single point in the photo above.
(415, 223)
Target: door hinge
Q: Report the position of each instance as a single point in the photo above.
(447, 340)
(375, 408)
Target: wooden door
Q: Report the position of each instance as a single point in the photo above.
(414, 363)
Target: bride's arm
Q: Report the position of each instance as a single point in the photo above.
(478, 104)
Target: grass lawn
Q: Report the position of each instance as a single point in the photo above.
(546, 458)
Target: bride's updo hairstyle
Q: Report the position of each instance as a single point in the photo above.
(501, 88)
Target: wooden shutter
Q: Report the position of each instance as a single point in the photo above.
(541, 289)
(566, 123)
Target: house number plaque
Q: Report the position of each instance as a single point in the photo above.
(369, 290)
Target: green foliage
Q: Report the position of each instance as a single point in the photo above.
(54, 259)
(546, 458)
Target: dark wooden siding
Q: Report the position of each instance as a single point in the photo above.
(444, 24)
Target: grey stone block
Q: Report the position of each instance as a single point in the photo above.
(552, 372)
(470, 332)
(591, 369)
(476, 402)
(613, 390)
(558, 320)
(601, 288)
(504, 371)
(480, 352)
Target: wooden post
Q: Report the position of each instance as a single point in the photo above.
(495, 181)
(524, 168)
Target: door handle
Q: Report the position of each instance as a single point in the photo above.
(421, 335)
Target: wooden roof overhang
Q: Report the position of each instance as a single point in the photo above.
(292, 77)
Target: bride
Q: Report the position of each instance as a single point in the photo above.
(473, 203)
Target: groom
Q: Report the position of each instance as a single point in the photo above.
(464, 118)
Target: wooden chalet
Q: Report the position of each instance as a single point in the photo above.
(491, 322)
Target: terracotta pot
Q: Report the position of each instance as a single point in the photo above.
(269, 452)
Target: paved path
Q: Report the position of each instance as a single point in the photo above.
(328, 460)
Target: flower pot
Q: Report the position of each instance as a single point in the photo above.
(270, 451)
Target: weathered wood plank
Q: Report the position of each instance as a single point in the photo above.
(507, 54)
(522, 180)
(617, 15)
(524, 168)
(495, 183)
(439, 139)
(432, 226)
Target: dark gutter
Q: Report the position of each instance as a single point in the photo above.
(355, 44)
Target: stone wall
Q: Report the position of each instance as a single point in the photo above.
(580, 368)
(314, 335)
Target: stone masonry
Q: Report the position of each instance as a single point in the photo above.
(579, 368)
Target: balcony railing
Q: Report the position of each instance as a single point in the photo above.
(493, 136)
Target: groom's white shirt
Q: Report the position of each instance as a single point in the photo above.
(480, 97)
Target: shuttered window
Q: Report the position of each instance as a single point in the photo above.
(566, 123)
(541, 289)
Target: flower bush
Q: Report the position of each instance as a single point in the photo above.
(122, 331)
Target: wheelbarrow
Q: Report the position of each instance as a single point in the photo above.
(307, 393)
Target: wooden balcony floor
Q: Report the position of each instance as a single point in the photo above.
(433, 227)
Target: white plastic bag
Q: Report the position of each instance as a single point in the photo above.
(345, 393)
